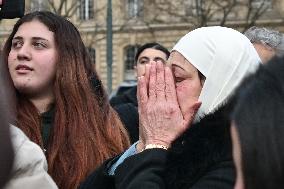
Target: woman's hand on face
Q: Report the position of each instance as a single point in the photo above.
(161, 120)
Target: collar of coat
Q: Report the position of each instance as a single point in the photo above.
(202, 146)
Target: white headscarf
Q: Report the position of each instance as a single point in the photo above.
(224, 56)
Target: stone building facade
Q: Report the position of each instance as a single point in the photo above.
(136, 22)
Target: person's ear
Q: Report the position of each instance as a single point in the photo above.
(135, 71)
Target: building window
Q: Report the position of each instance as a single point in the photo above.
(191, 7)
(92, 53)
(86, 10)
(38, 5)
(135, 8)
(261, 3)
(129, 61)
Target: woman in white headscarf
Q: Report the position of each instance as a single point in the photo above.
(184, 116)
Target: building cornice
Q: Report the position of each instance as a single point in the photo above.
(176, 26)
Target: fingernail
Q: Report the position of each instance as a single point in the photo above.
(140, 77)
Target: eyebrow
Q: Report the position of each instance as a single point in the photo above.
(155, 58)
(143, 57)
(33, 38)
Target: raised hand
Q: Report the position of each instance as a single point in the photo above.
(160, 117)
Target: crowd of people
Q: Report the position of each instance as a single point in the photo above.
(207, 114)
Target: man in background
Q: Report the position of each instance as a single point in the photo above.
(126, 103)
(267, 42)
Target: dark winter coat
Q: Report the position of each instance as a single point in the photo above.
(199, 159)
(128, 96)
(128, 114)
(126, 107)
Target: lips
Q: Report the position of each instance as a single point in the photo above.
(23, 67)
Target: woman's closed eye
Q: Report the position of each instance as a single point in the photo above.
(178, 79)
(179, 74)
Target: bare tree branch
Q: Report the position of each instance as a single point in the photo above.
(198, 13)
(254, 13)
(204, 12)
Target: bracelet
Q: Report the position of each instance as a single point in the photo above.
(151, 146)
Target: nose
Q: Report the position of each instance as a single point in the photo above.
(24, 53)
